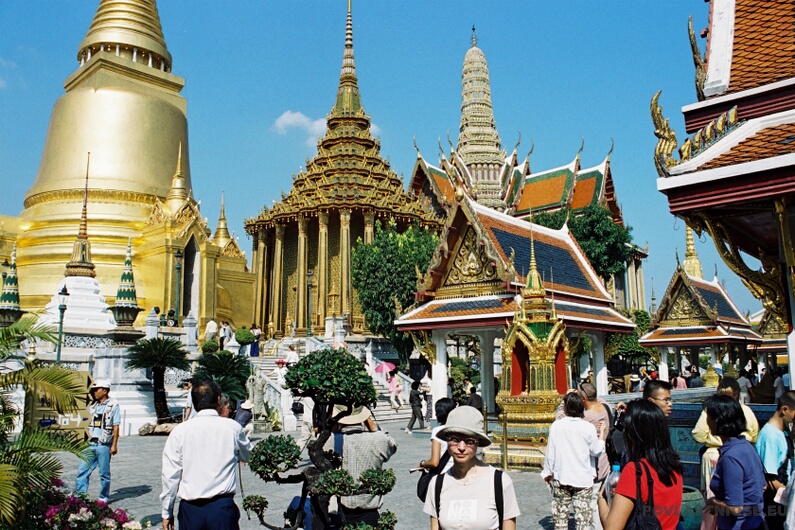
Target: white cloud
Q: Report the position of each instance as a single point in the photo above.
(7, 64)
(375, 130)
(3, 83)
(298, 120)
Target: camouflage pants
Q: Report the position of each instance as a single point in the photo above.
(562, 499)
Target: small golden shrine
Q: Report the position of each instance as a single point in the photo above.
(535, 360)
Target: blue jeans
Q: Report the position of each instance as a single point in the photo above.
(98, 454)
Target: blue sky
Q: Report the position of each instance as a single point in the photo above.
(262, 75)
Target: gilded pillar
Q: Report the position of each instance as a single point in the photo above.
(300, 304)
(261, 285)
(322, 267)
(369, 222)
(345, 263)
(277, 281)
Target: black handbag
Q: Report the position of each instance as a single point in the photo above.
(426, 476)
(298, 407)
(642, 516)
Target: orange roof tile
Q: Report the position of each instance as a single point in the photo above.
(541, 192)
(584, 191)
(767, 143)
(764, 43)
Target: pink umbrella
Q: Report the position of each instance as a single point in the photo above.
(384, 368)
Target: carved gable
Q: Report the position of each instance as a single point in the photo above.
(470, 268)
(683, 308)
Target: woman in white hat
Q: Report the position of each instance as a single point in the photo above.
(471, 495)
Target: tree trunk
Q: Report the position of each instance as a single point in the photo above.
(161, 404)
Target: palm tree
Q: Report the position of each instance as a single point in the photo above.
(230, 371)
(26, 460)
(158, 355)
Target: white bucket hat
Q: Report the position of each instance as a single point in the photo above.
(467, 421)
(358, 415)
(100, 383)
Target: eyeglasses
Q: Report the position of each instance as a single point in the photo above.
(455, 440)
(665, 400)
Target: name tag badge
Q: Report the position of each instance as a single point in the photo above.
(465, 511)
(97, 421)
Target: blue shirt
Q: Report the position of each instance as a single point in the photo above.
(771, 444)
(739, 480)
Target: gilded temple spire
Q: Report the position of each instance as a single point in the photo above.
(130, 28)
(81, 264)
(692, 264)
(479, 144)
(179, 191)
(222, 236)
(348, 98)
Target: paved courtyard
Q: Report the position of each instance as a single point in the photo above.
(135, 485)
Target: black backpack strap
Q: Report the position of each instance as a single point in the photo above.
(650, 501)
(439, 469)
(498, 500)
(437, 491)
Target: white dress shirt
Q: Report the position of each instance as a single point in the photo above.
(571, 451)
(200, 457)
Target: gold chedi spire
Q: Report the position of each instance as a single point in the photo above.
(130, 27)
(692, 265)
(179, 191)
(80, 264)
(479, 144)
(348, 98)
(222, 236)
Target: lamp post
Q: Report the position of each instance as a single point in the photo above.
(309, 303)
(179, 257)
(62, 297)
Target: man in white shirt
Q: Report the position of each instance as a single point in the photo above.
(199, 462)
(210, 330)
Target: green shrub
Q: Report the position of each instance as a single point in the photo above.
(244, 336)
(210, 346)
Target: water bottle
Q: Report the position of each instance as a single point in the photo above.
(611, 482)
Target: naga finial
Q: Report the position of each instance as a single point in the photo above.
(667, 138)
(612, 146)
(415, 146)
(518, 141)
(582, 146)
(698, 61)
(532, 148)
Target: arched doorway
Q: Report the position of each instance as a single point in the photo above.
(190, 285)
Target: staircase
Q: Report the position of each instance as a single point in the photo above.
(383, 411)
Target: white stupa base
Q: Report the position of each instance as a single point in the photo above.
(85, 306)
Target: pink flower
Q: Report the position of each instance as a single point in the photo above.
(52, 511)
(121, 516)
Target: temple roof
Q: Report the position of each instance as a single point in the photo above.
(751, 45)
(547, 190)
(491, 310)
(483, 261)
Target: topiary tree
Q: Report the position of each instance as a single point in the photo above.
(329, 377)
(210, 346)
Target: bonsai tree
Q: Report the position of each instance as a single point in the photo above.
(329, 377)
(26, 459)
(230, 371)
(210, 346)
(158, 355)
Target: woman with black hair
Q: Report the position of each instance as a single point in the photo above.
(648, 444)
(738, 482)
(442, 408)
(570, 463)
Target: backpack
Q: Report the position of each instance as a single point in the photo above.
(425, 478)
(642, 516)
(498, 500)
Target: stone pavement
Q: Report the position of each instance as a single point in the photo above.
(135, 484)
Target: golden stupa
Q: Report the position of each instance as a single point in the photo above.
(123, 106)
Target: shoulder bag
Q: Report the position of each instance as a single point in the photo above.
(642, 516)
